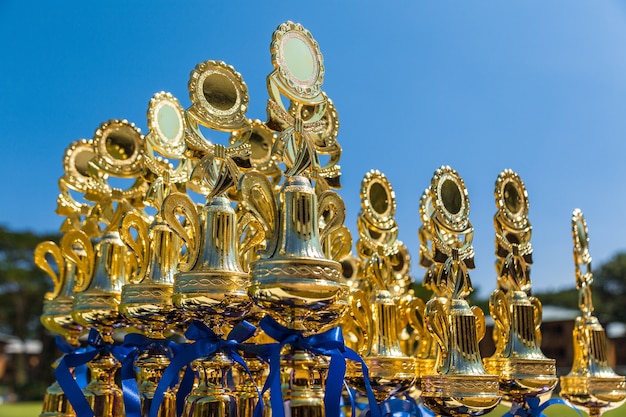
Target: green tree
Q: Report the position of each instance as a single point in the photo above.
(22, 287)
(609, 289)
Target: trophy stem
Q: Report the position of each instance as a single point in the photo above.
(303, 395)
(151, 365)
(246, 391)
(55, 403)
(211, 396)
(102, 394)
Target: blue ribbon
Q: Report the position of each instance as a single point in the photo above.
(535, 409)
(329, 343)
(70, 387)
(138, 343)
(80, 372)
(206, 342)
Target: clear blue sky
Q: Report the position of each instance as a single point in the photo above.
(536, 86)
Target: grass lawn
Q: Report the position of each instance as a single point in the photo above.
(26, 409)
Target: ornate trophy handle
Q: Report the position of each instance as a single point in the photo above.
(332, 213)
(481, 327)
(248, 227)
(258, 199)
(414, 312)
(538, 317)
(139, 247)
(360, 312)
(84, 264)
(501, 313)
(58, 280)
(177, 203)
(438, 324)
(338, 244)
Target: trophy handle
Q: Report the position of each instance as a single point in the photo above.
(258, 198)
(332, 212)
(248, 228)
(538, 317)
(139, 247)
(338, 244)
(174, 204)
(415, 311)
(501, 313)
(84, 264)
(360, 312)
(51, 248)
(481, 327)
(438, 324)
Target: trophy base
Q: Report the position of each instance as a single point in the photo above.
(521, 378)
(388, 375)
(302, 294)
(460, 395)
(55, 403)
(595, 393)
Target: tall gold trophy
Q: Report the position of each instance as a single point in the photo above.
(57, 318)
(293, 281)
(211, 284)
(376, 310)
(460, 386)
(106, 266)
(591, 383)
(146, 300)
(524, 372)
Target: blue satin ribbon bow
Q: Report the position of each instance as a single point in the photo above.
(138, 343)
(536, 410)
(329, 343)
(72, 390)
(206, 342)
(80, 372)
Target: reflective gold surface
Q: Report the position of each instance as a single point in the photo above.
(591, 383)
(523, 369)
(460, 385)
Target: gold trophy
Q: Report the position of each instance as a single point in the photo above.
(293, 281)
(376, 311)
(523, 369)
(105, 268)
(591, 383)
(146, 300)
(461, 387)
(211, 284)
(57, 318)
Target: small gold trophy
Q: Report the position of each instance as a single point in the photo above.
(591, 383)
(57, 318)
(523, 369)
(461, 387)
(376, 312)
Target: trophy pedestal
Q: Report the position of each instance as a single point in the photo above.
(211, 396)
(389, 376)
(597, 394)
(102, 394)
(521, 378)
(460, 395)
(55, 403)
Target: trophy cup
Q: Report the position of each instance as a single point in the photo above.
(293, 281)
(146, 300)
(591, 383)
(391, 372)
(523, 369)
(461, 387)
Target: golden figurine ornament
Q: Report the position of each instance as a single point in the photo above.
(523, 369)
(591, 383)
